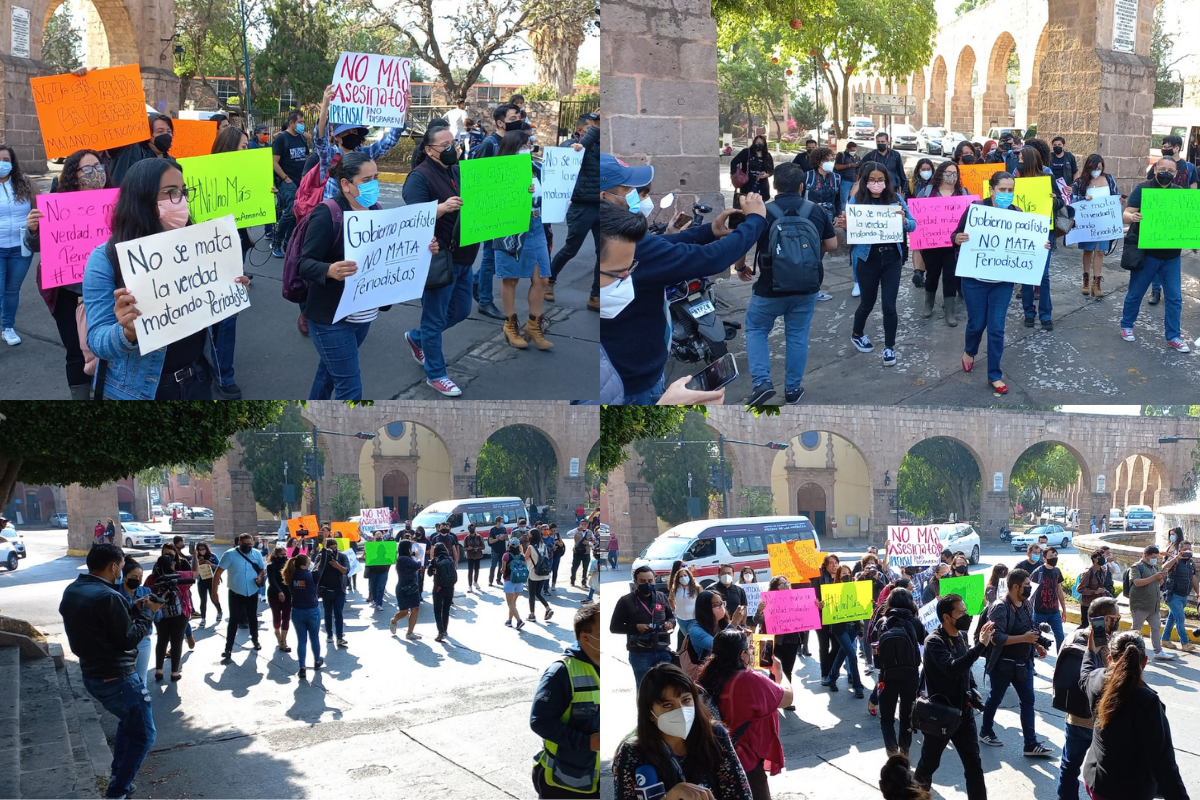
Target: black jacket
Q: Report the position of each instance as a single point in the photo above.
(893, 162)
(275, 582)
(587, 185)
(948, 667)
(904, 619)
(323, 245)
(102, 629)
(1131, 757)
(631, 612)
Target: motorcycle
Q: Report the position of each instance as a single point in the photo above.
(1005, 533)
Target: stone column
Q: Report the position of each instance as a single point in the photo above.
(462, 485)
(1100, 99)
(962, 113)
(84, 507)
(642, 522)
(882, 515)
(658, 90)
(994, 514)
(571, 492)
(233, 506)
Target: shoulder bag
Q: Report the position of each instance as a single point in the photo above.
(1132, 257)
(934, 716)
(740, 178)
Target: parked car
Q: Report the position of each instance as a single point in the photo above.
(995, 133)
(199, 512)
(18, 540)
(127, 517)
(861, 128)
(1139, 518)
(960, 536)
(138, 534)
(1116, 519)
(903, 135)
(929, 140)
(8, 554)
(1056, 535)
(59, 520)
(951, 140)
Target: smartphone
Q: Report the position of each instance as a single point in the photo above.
(1099, 635)
(735, 219)
(681, 220)
(715, 375)
(767, 655)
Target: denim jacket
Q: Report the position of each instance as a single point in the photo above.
(130, 375)
(859, 252)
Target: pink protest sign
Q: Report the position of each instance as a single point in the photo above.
(74, 223)
(936, 217)
(791, 611)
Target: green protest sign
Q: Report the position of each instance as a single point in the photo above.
(380, 553)
(846, 602)
(237, 183)
(1169, 220)
(969, 587)
(496, 197)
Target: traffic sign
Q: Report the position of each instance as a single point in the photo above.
(897, 105)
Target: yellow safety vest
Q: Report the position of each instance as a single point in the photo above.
(585, 688)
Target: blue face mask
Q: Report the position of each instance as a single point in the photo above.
(6, 168)
(634, 202)
(1003, 199)
(368, 193)
(1035, 558)
(299, 127)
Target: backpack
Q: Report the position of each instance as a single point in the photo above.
(794, 248)
(1047, 595)
(446, 573)
(896, 651)
(518, 570)
(295, 288)
(1067, 696)
(477, 150)
(1126, 582)
(542, 567)
(311, 190)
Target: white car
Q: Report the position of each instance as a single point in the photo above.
(861, 128)
(960, 536)
(8, 554)
(139, 535)
(18, 540)
(951, 140)
(1116, 519)
(929, 140)
(1056, 536)
(903, 135)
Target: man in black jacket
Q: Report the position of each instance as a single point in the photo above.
(948, 663)
(583, 213)
(889, 159)
(646, 619)
(104, 632)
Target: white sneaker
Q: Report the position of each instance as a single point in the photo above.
(10, 336)
(855, 292)
(1164, 656)
(824, 296)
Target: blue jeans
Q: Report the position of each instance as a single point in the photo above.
(986, 304)
(612, 558)
(1175, 618)
(143, 657)
(797, 312)
(643, 660)
(334, 604)
(648, 397)
(129, 701)
(13, 267)
(307, 623)
(487, 270)
(287, 218)
(1079, 740)
(846, 186)
(1055, 620)
(338, 375)
(1167, 271)
(224, 337)
(378, 587)
(442, 309)
(1043, 305)
(1001, 677)
(845, 654)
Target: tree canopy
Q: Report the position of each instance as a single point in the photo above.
(1045, 468)
(264, 457)
(518, 461)
(939, 477)
(620, 425)
(666, 465)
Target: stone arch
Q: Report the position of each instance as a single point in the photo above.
(918, 91)
(1039, 53)
(111, 40)
(975, 448)
(830, 470)
(1142, 475)
(1087, 500)
(962, 104)
(935, 113)
(996, 109)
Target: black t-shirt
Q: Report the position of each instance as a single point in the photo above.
(766, 277)
(448, 539)
(847, 175)
(179, 355)
(1064, 166)
(1135, 201)
(292, 151)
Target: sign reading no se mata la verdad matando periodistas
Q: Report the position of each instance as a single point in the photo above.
(183, 280)
(73, 224)
(791, 610)
(1097, 220)
(391, 248)
(1004, 245)
(871, 224)
(238, 183)
(560, 171)
(496, 197)
(370, 90)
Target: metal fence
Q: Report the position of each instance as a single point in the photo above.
(571, 110)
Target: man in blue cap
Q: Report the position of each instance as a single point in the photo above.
(634, 319)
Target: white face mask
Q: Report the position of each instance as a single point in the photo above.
(677, 721)
(647, 207)
(614, 298)
(726, 579)
(827, 166)
(684, 580)
(525, 150)
(1096, 173)
(926, 174)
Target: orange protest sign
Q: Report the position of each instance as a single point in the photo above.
(192, 137)
(309, 523)
(797, 560)
(106, 108)
(973, 176)
(345, 530)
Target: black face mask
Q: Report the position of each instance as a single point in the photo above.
(1052, 561)
(162, 143)
(1166, 151)
(279, 559)
(881, 147)
(1058, 151)
(132, 583)
(1026, 591)
(1164, 178)
(963, 623)
(351, 141)
(245, 548)
(962, 570)
(645, 589)
(448, 157)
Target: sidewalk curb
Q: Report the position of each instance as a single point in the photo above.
(392, 177)
(1072, 615)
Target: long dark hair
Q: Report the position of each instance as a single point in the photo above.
(940, 172)
(705, 617)
(915, 177)
(512, 142)
(958, 151)
(430, 133)
(896, 781)
(23, 188)
(136, 212)
(863, 195)
(1031, 163)
(703, 752)
(68, 181)
(1094, 161)
(673, 583)
(1127, 650)
(726, 661)
(229, 140)
(902, 598)
(999, 573)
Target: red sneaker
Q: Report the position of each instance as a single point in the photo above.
(445, 386)
(417, 352)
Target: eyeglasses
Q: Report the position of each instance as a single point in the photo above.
(624, 273)
(176, 194)
(442, 147)
(92, 169)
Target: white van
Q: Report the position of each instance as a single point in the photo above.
(1139, 518)
(480, 510)
(707, 543)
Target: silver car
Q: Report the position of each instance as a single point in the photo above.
(137, 534)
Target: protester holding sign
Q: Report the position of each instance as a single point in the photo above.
(1094, 183)
(1035, 202)
(346, 138)
(878, 265)
(787, 645)
(162, 136)
(152, 200)
(16, 202)
(935, 223)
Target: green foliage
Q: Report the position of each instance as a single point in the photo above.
(518, 461)
(264, 457)
(95, 443)
(586, 76)
(939, 477)
(298, 50)
(620, 425)
(756, 503)
(808, 115)
(1167, 93)
(347, 499)
(61, 44)
(967, 5)
(665, 465)
(210, 33)
(749, 85)
(1044, 467)
(533, 92)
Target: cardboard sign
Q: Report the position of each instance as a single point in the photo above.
(791, 611)
(370, 90)
(106, 108)
(1034, 196)
(868, 224)
(309, 523)
(845, 602)
(345, 530)
(73, 225)
(974, 177)
(496, 197)
(205, 571)
(372, 518)
(183, 280)
(193, 137)
(794, 560)
(341, 544)
(1004, 245)
(936, 217)
(1097, 220)
(419, 555)
(928, 616)
(969, 587)
(237, 183)
(753, 597)
(913, 545)
(391, 247)
(380, 553)
(1169, 220)
(560, 170)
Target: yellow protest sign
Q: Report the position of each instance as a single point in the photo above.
(345, 530)
(797, 560)
(1035, 196)
(846, 602)
(341, 544)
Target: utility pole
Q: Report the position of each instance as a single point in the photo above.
(287, 507)
(316, 474)
(724, 491)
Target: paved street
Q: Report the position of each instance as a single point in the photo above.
(273, 360)
(834, 749)
(397, 718)
(1083, 355)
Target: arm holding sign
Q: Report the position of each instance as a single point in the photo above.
(110, 326)
(910, 223)
(389, 140)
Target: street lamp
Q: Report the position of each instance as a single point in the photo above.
(1174, 439)
(473, 486)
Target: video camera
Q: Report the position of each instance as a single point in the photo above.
(1044, 640)
(166, 587)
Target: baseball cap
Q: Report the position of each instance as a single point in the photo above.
(340, 129)
(615, 172)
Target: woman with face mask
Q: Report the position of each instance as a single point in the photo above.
(756, 162)
(279, 597)
(176, 612)
(920, 178)
(82, 170)
(682, 591)
(158, 145)
(677, 747)
(131, 590)
(16, 211)
(153, 199)
(297, 575)
(940, 262)
(201, 555)
(711, 618)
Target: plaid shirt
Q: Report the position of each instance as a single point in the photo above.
(326, 152)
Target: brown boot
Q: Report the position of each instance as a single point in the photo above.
(1096, 292)
(594, 303)
(514, 336)
(1086, 290)
(549, 295)
(534, 329)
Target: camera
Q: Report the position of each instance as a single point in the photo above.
(1044, 640)
(166, 587)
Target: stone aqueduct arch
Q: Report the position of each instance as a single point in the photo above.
(119, 32)
(883, 435)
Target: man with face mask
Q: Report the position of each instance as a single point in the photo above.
(733, 595)
(1185, 176)
(1062, 162)
(247, 571)
(801, 159)
(288, 152)
(104, 631)
(1145, 595)
(566, 716)
(645, 618)
(889, 159)
(582, 213)
(1183, 582)
(1049, 602)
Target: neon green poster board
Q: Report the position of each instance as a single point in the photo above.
(969, 587)
(846, 602)
(1169, 219)
(380, 553)
(496, 197)
(237, 183)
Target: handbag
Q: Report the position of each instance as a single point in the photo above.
(740, 177)
(1132, 257)
(89, 358)
(441, 270)
(934, 718)
(686, 662)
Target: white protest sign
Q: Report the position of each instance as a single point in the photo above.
(1097, 220)
(370, 90)
(928, 615)
(1004, 245)
(913, 545)
(419, 555)
(560, 170)
(391, 247)
(370, 519)
(868, 224)
(753, 597)
(183, 280)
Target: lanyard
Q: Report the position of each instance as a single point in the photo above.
(648, 611)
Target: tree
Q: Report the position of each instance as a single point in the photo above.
(264, 457)
(298, 51)
(749, 77)
(1044, 467)
(808, 115)
(1167, 93)
(518, 460)
(210, 34)
(586, 76)
(347, 499)
(96, 443)
(667, 464)
(938, 477)
(756, 503)
(555, 39)
(967, 5)
(61, 43)
(620, 425)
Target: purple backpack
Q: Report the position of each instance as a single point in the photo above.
(295, 288)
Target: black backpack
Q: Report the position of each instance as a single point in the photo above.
(446, 573)
(897, 651)
(794, 248)
(1068, 696)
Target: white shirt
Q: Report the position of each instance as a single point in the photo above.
(457, 117)
(685, 604)
(12, 215)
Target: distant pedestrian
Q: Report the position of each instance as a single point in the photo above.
(110, 531)
(581, 552)
(613, 550)
(279, 597)
(246, 572)
(408, 588)
(497, 541)
(473, 545)
(445, 575)
(205, 563)
(331, 569)
(537, 554)
(98, 533)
